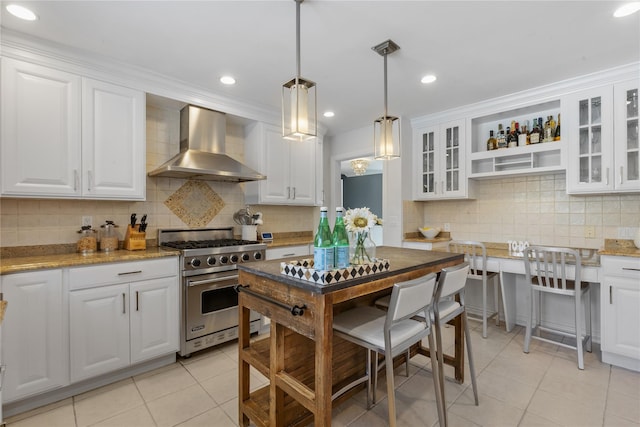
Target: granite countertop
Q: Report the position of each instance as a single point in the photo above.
(294, 238)
(620, 247)
(19, 264)
(401, 260)
(417, 237)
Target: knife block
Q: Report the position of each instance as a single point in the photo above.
(134, 239)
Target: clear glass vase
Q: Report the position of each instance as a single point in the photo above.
(362, 250)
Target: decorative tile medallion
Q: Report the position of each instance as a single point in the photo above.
(303, 270)
(195, 203)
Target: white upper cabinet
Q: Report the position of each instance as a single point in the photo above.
(602, 126)
(290, 167)
(439, 156)
(40, 146)
(65, 136)
(113, 141)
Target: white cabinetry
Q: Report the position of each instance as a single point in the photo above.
(602, 127)
(620, 299)
(122, 314)
(290, 167)
(34, 334)
(544, 157)
(65, 136)
(439, 156)
(287, 252)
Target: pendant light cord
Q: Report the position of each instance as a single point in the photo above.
(298, 39)
(385, 84)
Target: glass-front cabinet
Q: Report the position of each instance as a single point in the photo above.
(627, 154)
(602, 126)
(439, 157)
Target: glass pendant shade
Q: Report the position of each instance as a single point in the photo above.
(386, 138)
(359, 166)
(299, 110)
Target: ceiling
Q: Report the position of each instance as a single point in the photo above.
(477, 49)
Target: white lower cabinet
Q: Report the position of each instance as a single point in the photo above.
(35, 347)
(620, 299)
(288, 251)
(116, 325)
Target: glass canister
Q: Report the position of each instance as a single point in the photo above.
(88, 241)
(108, 237)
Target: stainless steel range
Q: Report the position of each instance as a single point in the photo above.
(209, 304)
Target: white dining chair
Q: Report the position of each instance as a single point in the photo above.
(547, 271)
(392, 333)
(475, 253)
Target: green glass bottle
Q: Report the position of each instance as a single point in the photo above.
(340, 241)
(322, 247)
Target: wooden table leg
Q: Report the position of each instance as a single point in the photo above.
(324, 355)
(458, 362)
(276, 395)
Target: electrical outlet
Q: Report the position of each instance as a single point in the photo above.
(447, 226)
(87, 220)
(589, 232)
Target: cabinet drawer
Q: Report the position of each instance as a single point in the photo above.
(98, 275)
(621, 266)
(287, 251)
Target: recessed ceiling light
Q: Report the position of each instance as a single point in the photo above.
(627, 9)
(329, 114)
(21, 12)
(227, 80)
(429, 78)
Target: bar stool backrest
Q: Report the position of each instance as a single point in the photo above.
(452, 281)
(410, 298)
(549, 268)
(475, 253)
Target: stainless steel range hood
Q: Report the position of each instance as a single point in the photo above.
(202, 150)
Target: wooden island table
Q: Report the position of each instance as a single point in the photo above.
(303, 361)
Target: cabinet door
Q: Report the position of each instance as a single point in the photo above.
(154, 318)
(451, 163)
(427, 159)
(276, 188)
(34, 334)
(589, 123)
(99, 328)
(40, 146)
(113, 136)
(621, 315)
(302, 176)
(627, 149)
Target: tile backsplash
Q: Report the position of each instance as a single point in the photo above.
(25, 222)
(533, 208)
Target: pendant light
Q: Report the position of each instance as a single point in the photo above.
(359, 166)
(386, 129)
(299, 119)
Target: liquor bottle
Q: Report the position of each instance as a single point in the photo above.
(322, 248)
(501, 139)
(491, 142)
(534, 136)
(556, 136)
(511, 138)
(340, 241)
(522, 135)
(548, 129)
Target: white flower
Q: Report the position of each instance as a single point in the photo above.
(359, 220)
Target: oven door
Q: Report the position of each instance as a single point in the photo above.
(211, 304)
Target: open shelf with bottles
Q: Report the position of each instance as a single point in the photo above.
(534, 158)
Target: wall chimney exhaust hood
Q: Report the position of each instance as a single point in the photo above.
(202, 150)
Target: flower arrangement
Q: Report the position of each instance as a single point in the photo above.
(359, 221)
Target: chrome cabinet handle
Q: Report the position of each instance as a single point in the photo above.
(607, 177)
(137, 302)
(75, 180)
(631, 269)
(621, 174)
(610, 296)
(288, 192)
(90, 184)
(294, 193)
(124, 304)
(130, 272)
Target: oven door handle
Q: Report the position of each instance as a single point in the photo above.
(214, 280)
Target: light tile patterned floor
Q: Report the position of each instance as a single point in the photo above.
(542, 388)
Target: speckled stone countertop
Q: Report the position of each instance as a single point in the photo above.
(294, 238)
(417, 237)
(620, 247)
(19, 264)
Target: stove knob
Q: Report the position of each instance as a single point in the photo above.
(257, 255)
(245, 257)
(211, 261)
(234, 259)
(195, 263)
(224, 259)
